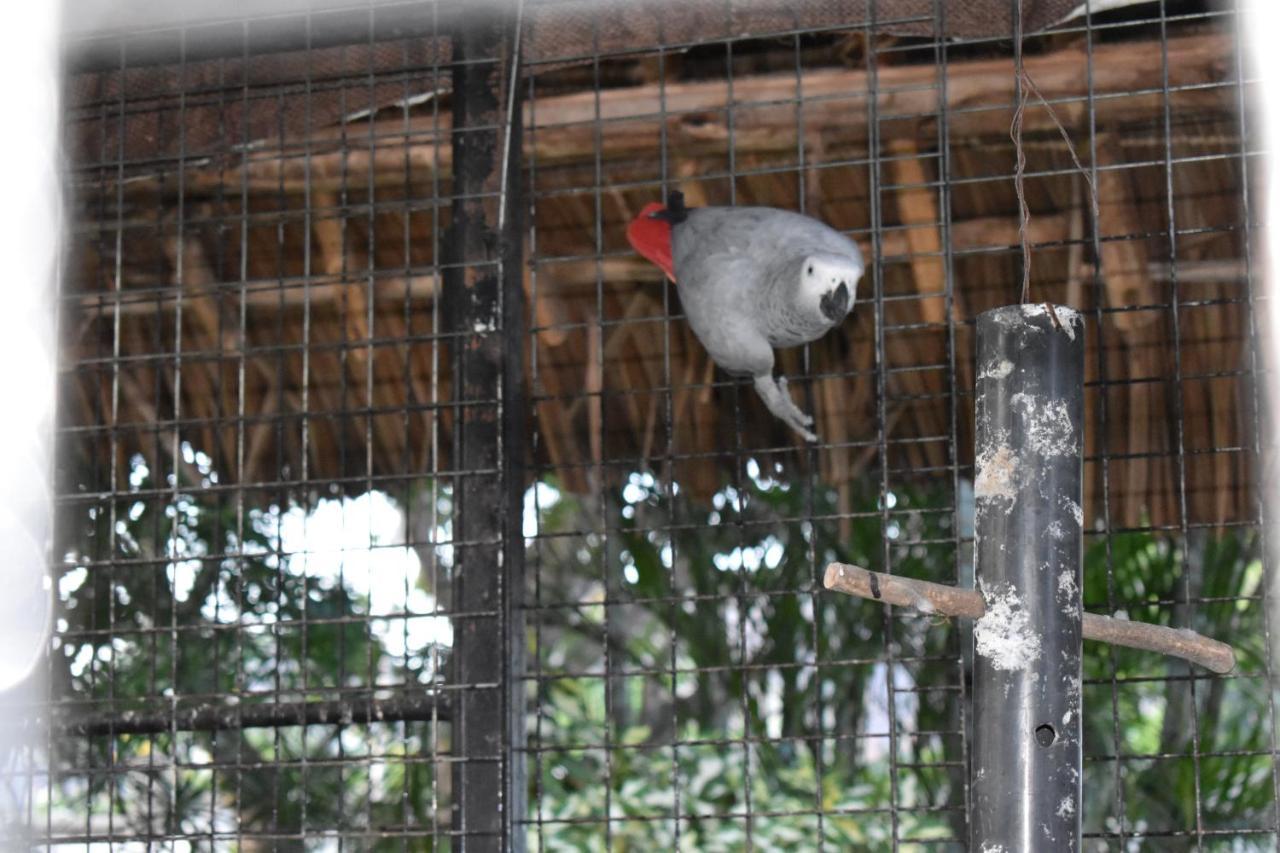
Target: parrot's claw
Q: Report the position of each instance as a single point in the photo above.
(797, 416)
(778, 400)
(799, 424)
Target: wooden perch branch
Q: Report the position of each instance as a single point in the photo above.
(929, 597)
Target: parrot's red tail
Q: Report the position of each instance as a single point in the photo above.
(652, 237)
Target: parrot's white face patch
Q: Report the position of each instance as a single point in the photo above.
(829, 284)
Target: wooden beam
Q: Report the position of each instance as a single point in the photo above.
(917, 204)
(259, 295)
(1127, 85)
(188, 255)
(917, 207)
(548, 309)
(554, 276)
(1126, 276)
(695, 192)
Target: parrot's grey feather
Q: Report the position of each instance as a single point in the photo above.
(730, 334)
(738, 270)
(773, 243)
(761, 233)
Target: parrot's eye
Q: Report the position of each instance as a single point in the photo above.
(810, 270)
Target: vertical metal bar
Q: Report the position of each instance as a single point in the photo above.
(279, 632)
(241, 514)
(117, 259)
(371, 356)
(668, 481)
(811, 481)
(410, 489)
(304, 426)
(1028, 544)
(1191, 579)
(221, 461)
(742, 599)
(540, 559)
(175, 446)
(1103, 373)
(515, 435)
(875, 184)
(484, 312)
(433, 507)
(614, 688)
(963, 548)
(347, 365)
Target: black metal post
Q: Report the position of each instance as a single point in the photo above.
(1028, 546)
(484, 310)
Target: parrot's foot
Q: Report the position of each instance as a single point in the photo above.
(806, 420)
(778, 400)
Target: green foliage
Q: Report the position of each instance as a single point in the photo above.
(721, 607)
(739, 698)
(1202, 740)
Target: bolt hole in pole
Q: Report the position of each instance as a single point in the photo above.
(1028, 542)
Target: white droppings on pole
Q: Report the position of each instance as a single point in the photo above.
(1068, 591)
(1047, 424)
(997, 369)
(1003, 635)
(997, 474)
(1067, 582)
(1068, 319)
(1071, 320)
(1074, 508)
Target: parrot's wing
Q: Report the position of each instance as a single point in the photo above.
(720, 296)
(727, 278)
(795, 232)
(715, 231)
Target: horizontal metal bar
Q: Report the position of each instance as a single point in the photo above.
(343, 712)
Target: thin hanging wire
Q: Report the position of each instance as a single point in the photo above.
(506, 147)
(1020, 154)
(1025, 85)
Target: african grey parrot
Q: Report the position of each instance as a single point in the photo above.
(751, 279)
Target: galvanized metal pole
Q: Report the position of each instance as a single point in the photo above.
(484, 310)
(1028, 545)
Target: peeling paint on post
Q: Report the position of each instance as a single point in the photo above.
(1028, 545)
(483, 306)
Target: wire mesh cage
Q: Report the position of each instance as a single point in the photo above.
(400, 508)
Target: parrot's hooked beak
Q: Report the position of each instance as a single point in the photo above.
(835, 303)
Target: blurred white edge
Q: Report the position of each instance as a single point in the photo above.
(31, 246)
(1259, 28)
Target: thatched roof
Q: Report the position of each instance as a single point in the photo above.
(279, 237)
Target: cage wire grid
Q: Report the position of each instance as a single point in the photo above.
(270, 641)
